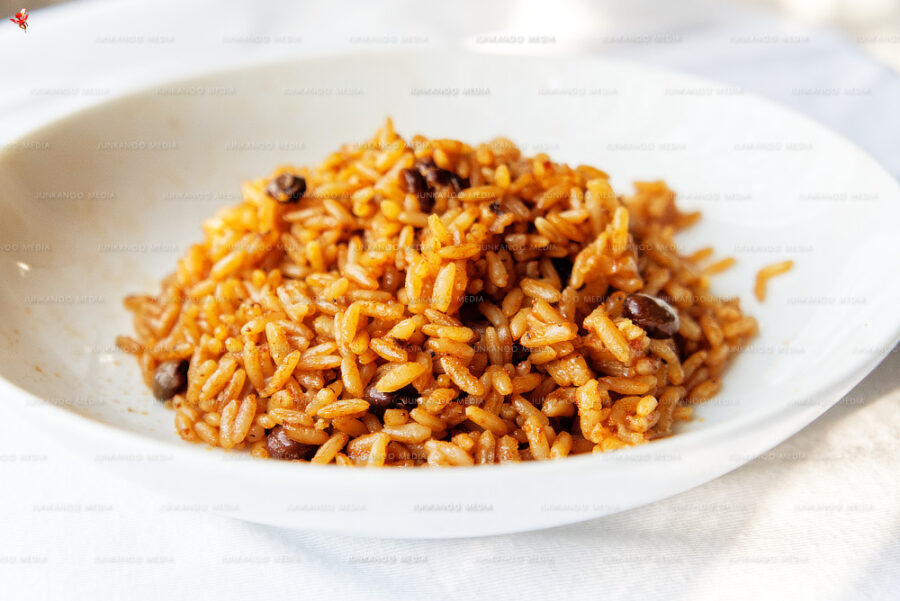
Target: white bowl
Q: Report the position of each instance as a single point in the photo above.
(101, 204)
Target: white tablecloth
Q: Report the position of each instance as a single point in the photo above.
(816, 518)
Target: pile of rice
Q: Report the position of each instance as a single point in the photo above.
(430, 302)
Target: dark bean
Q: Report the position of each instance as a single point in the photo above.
(406, 397)
(657, 317)
(438, 177)
(563, 266)
(412, 182)
(287, 187)
(169, 379)
(459, 183)
(426, 202)
(378, 401)
(281, 446)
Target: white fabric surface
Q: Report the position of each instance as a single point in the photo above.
(816, 518)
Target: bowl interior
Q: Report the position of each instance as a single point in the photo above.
(102, 203)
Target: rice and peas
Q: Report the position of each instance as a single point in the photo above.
(429, 302)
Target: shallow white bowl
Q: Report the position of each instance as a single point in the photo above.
(101, 204)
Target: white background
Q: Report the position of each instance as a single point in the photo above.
(817, 517)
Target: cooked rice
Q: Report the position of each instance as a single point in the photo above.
(483, 321)
(768, 272)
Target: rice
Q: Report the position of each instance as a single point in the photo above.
(768, 272)
(427, 302)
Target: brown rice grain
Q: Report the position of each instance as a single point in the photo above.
(768, 272)
(486, 420)
(326, 453)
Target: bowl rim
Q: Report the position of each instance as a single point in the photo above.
(799, 414)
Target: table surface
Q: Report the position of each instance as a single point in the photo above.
(816, 517)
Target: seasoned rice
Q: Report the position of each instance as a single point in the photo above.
(427, 302)
(768, 272)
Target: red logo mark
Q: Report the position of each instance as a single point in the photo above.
(21, 19)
